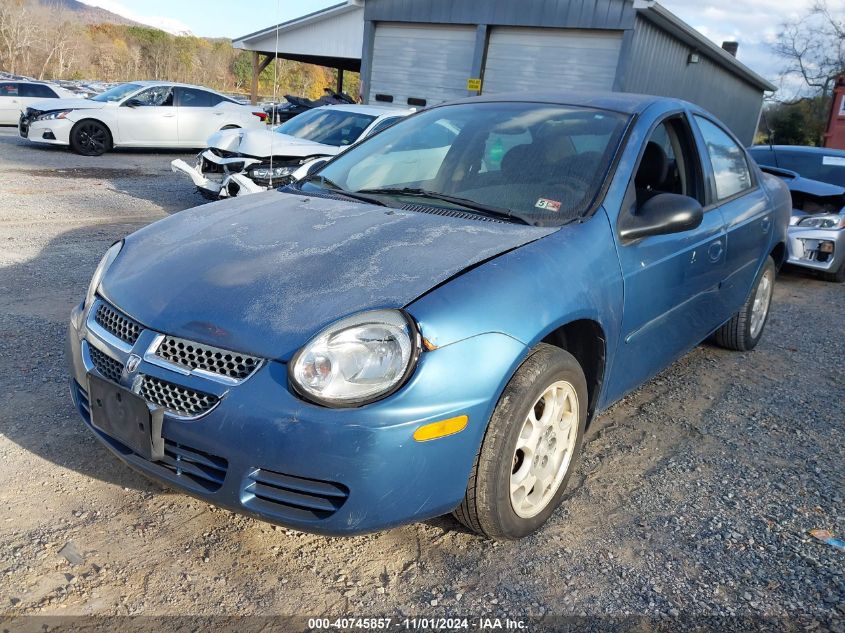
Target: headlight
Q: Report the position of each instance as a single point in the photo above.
(50, 116)
(357, 360)
(102, 267)
(265, 172)
(822, 221)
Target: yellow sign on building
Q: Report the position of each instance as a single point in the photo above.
(474, 84)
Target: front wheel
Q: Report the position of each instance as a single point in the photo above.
(530, 448)
(837, 276)
(90, 138)
(744, 330)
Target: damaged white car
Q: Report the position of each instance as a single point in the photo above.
(240, 162)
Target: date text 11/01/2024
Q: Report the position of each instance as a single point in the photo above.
(414, 624)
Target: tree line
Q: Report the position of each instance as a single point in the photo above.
(49, 43)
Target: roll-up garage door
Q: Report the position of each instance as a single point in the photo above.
(429, 63)
(550, 59)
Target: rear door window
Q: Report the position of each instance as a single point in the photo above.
(195, 98)
(9, 90)
(730, 167)
(37, 90)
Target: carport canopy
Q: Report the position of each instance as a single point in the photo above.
(332, 37)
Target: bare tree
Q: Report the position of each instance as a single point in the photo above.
(17, 34)
(813, 48)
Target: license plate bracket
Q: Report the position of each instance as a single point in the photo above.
(126, 417)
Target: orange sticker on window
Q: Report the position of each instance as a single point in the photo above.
(548, 205)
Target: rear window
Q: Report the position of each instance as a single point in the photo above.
(327, 126)
(829, 168)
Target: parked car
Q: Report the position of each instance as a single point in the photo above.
(816, 179)
(340, 359)
(137, 114)
(293, 105)
(16, 96)
(240, 162)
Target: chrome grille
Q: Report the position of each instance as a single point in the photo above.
(117, 323)
(180, 400)
(206, 357)
(110, 368)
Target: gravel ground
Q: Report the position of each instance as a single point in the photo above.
(691, 507)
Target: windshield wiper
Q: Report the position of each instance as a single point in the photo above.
(478, 207)
(328, 184)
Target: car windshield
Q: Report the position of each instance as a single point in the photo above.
(821, 165)
(542, 163)
(327, 126)
(117, 93)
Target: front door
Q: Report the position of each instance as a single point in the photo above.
(149, 118)
(671, 282)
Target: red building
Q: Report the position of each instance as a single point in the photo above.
(835, 135)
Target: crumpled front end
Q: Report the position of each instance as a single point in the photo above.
(816, 248)
(219, 174)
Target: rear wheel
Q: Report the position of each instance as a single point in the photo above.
(838, 276)
(744, 330)
(90, 138)
(530, 448)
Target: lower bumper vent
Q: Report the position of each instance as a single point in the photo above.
(203, 469)
(287, 496)
(180, 400)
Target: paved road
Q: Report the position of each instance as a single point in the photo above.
(694, 498)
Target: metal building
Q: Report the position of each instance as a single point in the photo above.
(422, 52)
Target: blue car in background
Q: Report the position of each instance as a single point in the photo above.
(427, 323)
(816, 179)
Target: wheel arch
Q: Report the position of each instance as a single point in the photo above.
(778, 254)
(96, 120)
(586, 341)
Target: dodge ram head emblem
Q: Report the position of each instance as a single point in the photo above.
(132, 363)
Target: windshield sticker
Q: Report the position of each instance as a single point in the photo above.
(838, 161)
(548, 205)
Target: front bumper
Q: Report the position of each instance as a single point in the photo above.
(224, 184)
(265, 453)
(805, 248)
(53, 132)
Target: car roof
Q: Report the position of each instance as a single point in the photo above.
(147, 82)
(624, 102)
(373, 110)
(803, 149)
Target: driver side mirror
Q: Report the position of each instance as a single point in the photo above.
(663, 214)
(133, 103)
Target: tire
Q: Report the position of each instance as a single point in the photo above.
(836, 277)
(230, 127)
(90, 138)
(743, 331)
(489, 507)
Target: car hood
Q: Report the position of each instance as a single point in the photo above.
(262, 143)
(263, 273)
(66, 104)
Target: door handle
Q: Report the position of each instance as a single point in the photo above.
(169, 116)
(766, 224)
(218, 114)
(715, 250)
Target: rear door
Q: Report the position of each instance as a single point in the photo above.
(671, 282)
(197, 117)
(32, 93)
(10, 102)
(745, 207)
(149, 118)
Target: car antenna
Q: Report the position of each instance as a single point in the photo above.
(770, 132)
(275, 86)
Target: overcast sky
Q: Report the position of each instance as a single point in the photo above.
(753, 23)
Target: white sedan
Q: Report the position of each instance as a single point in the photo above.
(137, 114)
(237, 163)
(17, 95)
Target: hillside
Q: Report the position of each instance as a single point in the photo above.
(83, 13)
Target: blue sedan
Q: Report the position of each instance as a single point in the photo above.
(428, 322)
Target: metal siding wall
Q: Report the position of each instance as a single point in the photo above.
(658, 65)
(585, 14)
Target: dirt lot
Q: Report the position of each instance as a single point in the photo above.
(694, 498)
